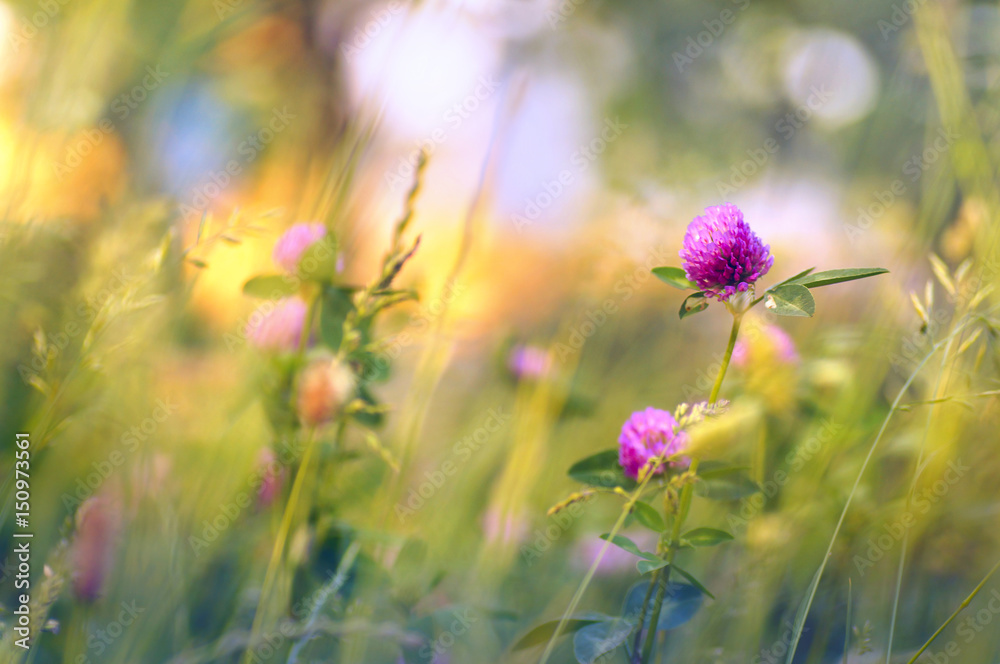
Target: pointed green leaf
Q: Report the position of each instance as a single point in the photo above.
(706, 536)
(647, 566)
(544, 632)
(827, 277)
(693, 304)
(794, 279)
(695, 582)
(591, 643)
(271, 286)
(674, 276)
(625, 543)
(790, 300)
(648, 516)
(602, 470)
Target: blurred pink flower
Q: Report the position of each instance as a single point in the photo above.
(272, 476)
(290, 247)
(529, 362)
(98, 524)
(615, 560)
(776, 344)
(281, 328)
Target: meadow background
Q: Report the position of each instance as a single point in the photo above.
(151, 153)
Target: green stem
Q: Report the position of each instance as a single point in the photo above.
(675, 536)
(277, 552)
(954, 615)
(737, 319)
(578, 595)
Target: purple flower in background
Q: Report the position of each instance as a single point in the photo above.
(774, 343)
(529, 362)
(722, 255)
(281, 329)
(647, 434)
(293, 243)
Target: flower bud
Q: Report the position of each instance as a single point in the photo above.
(325, 387)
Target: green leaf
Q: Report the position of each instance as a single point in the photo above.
(790, 300)
(601, 470)
(592, 642)
(695, 582)
(625, 543)
(794, 279)
(828, 277)
(693, 304)
(725, 483)
(706, 536)
(334, 307)
(544, 632)
(647, 566)
(271, 286)
(674, 276)
(319, 260)
(648, 516)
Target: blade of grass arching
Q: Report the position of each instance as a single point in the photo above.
(578, 595)
(803, 611)
(431, 365)
(913, 487)
(278, 551)
(847, 626)
(961, 607)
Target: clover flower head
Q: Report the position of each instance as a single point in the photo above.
(648, 434)
(281, 328)
(722, 255)
(325, 387)
(529, 362)
(290, 247)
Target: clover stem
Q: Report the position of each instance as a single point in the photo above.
(664, 580)
(737, 319)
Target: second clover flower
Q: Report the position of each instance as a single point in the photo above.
(646, 435)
